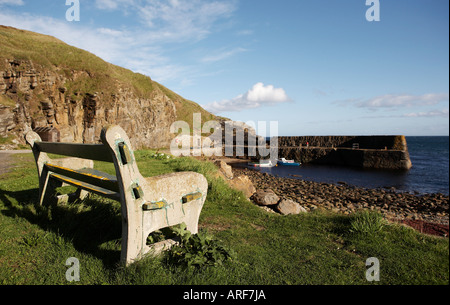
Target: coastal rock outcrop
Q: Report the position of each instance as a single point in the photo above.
(240, 182)
(288, 207)
(224, 169)
(265, 197)
(34, 99)
(244, 184)
(47, 83)
(269, 201)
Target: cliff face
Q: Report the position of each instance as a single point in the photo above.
(47, 83)
(41, 99)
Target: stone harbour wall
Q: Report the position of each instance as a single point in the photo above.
(381, 152)
(364, 142)
(381, 159)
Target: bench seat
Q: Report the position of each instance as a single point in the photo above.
(88, 179)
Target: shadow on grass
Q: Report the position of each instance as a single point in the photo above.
(92, 225)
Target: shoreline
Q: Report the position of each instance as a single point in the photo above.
(347, 199)
(356, 177)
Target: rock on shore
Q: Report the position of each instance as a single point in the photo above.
(347, 199)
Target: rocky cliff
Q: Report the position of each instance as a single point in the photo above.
(46, 83)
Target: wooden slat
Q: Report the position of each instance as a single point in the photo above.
(97, 152)
(88, 175)
(191, 197)
(151, 206)
(86, 186)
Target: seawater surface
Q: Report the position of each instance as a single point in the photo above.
(429, 174)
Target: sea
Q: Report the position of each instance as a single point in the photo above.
(429, 174)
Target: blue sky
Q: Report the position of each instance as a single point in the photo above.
(318, 67)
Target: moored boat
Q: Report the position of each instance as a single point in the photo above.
(283, 161)
(262, 163)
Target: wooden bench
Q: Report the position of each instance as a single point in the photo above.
(148, 204)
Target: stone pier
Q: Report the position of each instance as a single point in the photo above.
(382, 152)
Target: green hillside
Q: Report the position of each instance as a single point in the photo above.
(48, 53)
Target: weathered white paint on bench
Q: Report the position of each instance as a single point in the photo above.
(148, 204)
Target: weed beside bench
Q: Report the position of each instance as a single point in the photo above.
(148, 204)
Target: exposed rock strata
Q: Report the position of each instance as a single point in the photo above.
(36, 97)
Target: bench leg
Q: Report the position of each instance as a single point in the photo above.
(48, 190)
(81, 194)
(192, 221)
(131, 238)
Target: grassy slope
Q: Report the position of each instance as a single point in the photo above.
(315, 248)
(49, 53)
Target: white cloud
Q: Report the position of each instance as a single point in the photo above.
(173, 20)
(157, 25)
(444, 113)
(244, 33)
(222, 55)
(428, 114)
(11, 2)
(266, 94)
(113, 4)
(110, 32)
(396, 100)
(106, 4)
(396, 105)
(183, 20)
(258, 96)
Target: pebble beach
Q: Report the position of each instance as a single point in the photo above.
(413, 209)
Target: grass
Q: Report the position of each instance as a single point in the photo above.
(315, 248)
(49, 53)
(367, 223)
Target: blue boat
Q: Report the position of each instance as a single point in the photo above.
(285, 162)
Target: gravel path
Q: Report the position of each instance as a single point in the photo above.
(5, 159)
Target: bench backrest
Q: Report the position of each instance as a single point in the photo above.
(115, 148)
(96, 152)
(128, 177)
